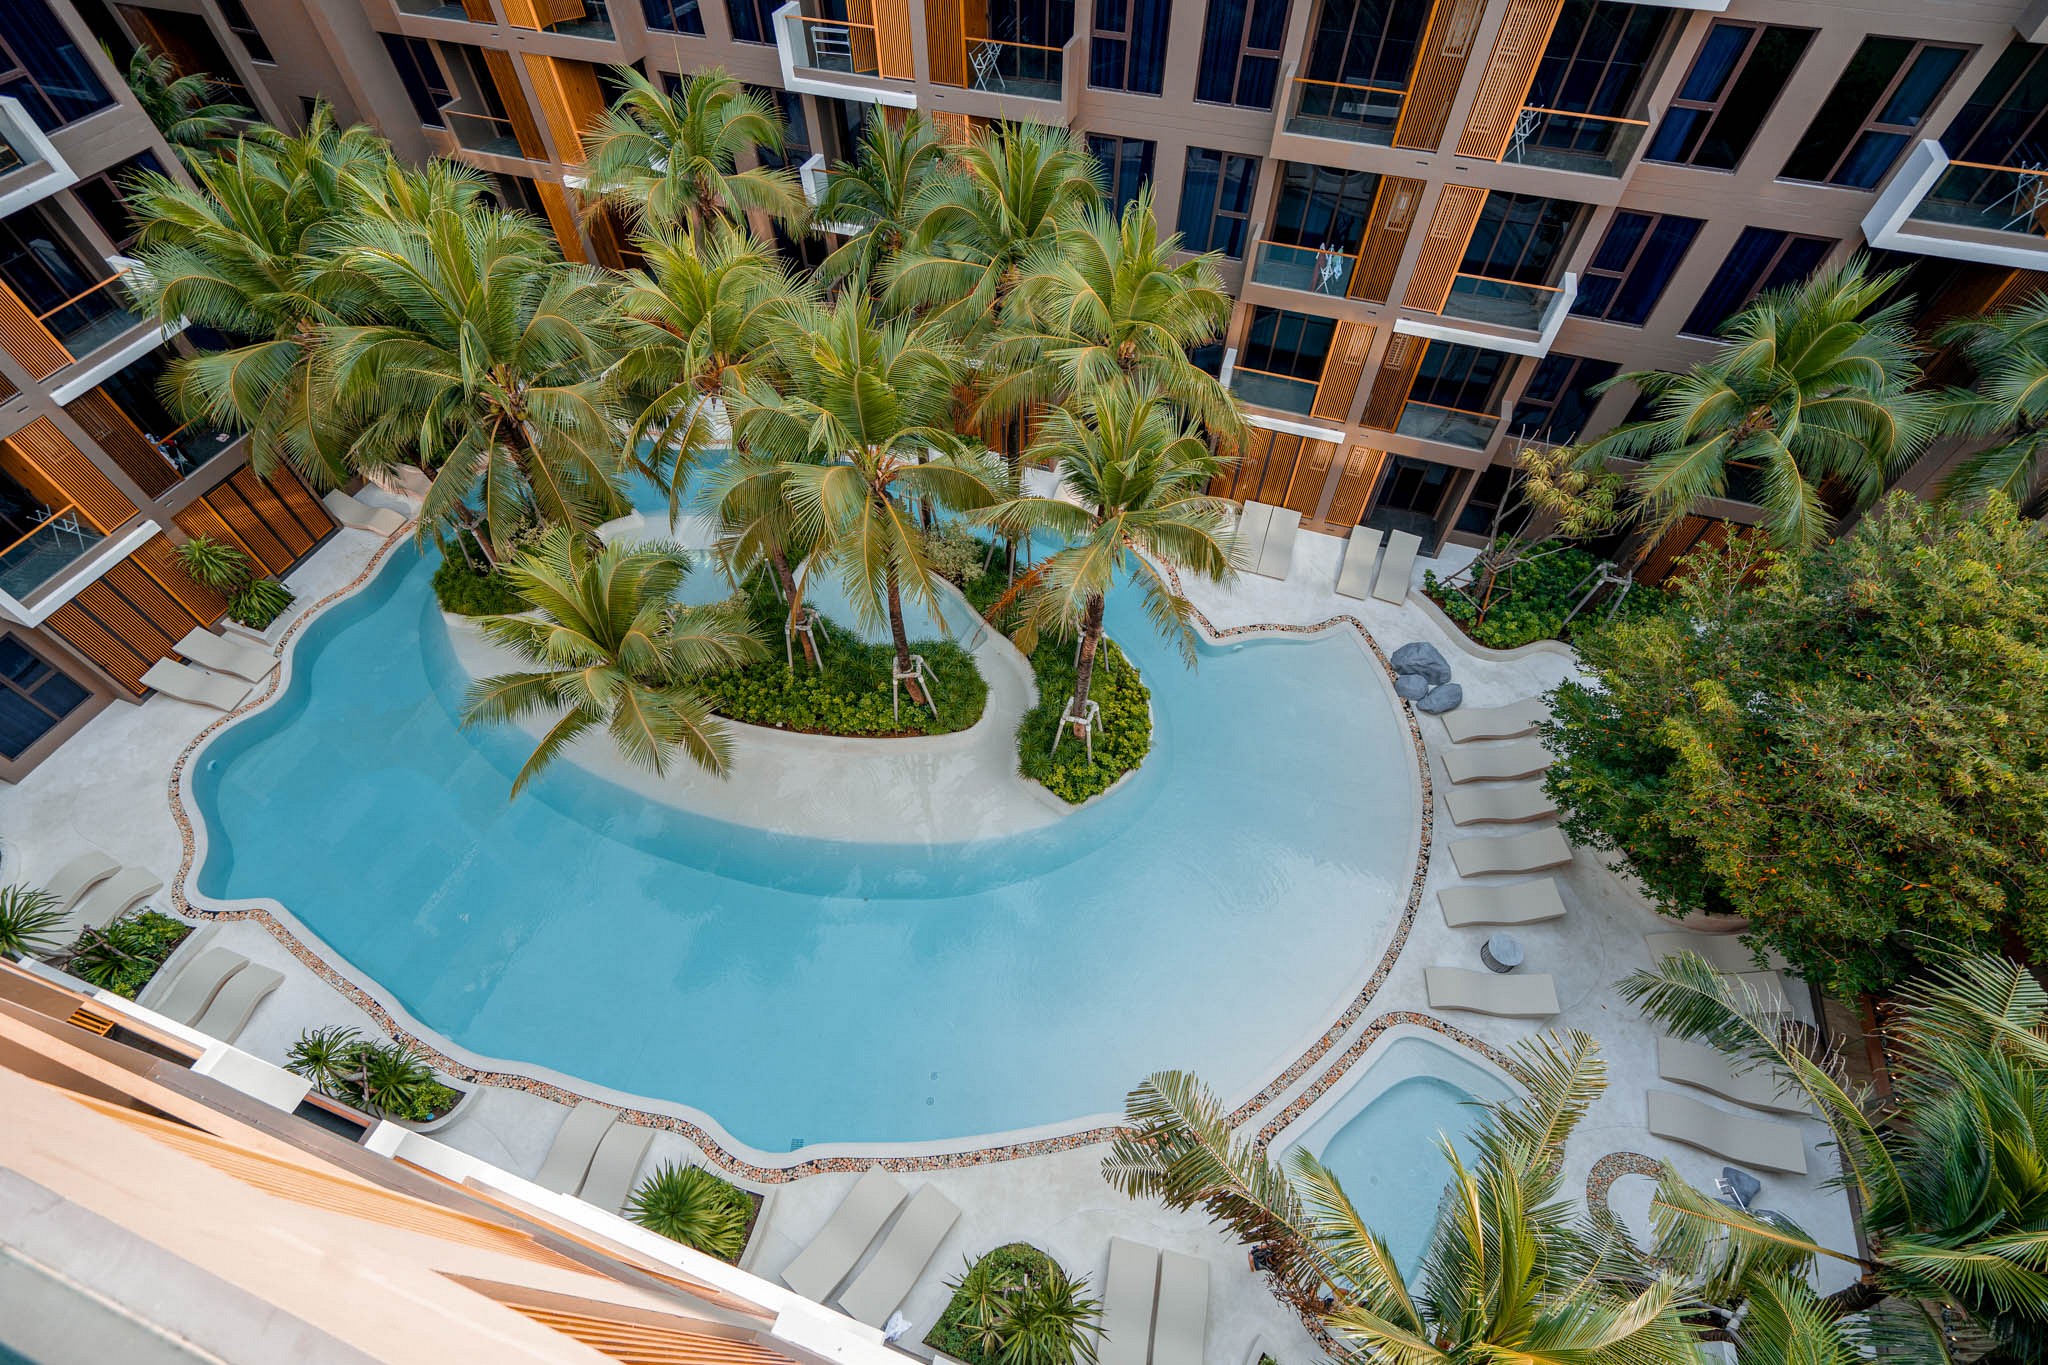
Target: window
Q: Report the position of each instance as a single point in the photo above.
(1596, 57)
(1293, 344)
(420, 73)
(753, 21)
(1320, 207)
(517, 194)
(105, 197)
(1519, 237)
(1126, 165)
(673, 16)
(244, 28)
(33, 697)
(1762, 259)
(1241, 52)
(2002, 125)
(1734, 81)
(1635, 261)
(42, 65)
(1216, 200)
(1366, 42)
(1559, 398)
(1873, 112)
(796, 131)
(1127, 51)
(1459, 377)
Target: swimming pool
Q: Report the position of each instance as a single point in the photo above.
(1212, 913)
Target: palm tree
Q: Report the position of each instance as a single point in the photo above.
(1811, 388)
(1949, 1172)
(670, 161)
(2008, 407)
(487, 366)
(1509, 1273)
(860, 427)
(1134, 475)
(183, 108)
(612, 648)
(879, 194)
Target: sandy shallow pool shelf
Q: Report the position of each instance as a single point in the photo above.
(1215, 912)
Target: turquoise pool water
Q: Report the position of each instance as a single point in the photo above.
(1390, 1161)
(1213, 913)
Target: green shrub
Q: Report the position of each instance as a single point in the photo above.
(124, 955)
(387, 1079)
(689, 1204)
(464, 590)
(1529, 602)
(1017, 1306)
(257, 604)
(215, 564)
(27, 915)
(1122, 738)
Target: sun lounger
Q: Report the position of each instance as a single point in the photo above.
(1510, 995)
(1531, 852)
(1127, 1291)
(575, 1143)
(186, 683)
(615, 1163)
(1516, 903)
(108, 901)
(1252, 524)
(1355, 578)
(208, 650)
(1767, 987)
(229, 1013)
(1493, 762)
(360, 515)
(1495, 722)
(197, 983)
(1708, 1068)
(890, 1274)
(1507, 803)
(1726, 952)
(1399, 562)
(1276, 556)
(819, 1267)
(76, 877)
(1180, 1329)
(1748, 1141)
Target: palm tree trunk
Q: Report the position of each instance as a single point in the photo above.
(901, 638)
(1860, 1297)
(796, 602)
(1084, 666)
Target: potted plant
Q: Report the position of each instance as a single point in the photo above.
(1017, 1306)
(253, 601)
(689, 1204)
(386, 1080)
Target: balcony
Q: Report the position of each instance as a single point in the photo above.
(1450, 426)
(30, 168)
(836, 58)
(1280, 392)
(92, 317)
(1347, 113)
(487, 133)
(1312, 270)
(594, 22)
(1591, 144)
(439, 9)
(1030, 70)
(1963, 210)
(1498, 315)
(63, 538)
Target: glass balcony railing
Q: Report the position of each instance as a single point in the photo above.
(594, 22)
(1452, 426)
(1591, 143)
(835, 45)
(33, 560)
(1314, 270)
(1991, 198)
(1005, 68)
(92, 317)
(433, 9)
(188, 448)
(1281, 392)
(1502, 303)
(484, 133)
(1352, 113)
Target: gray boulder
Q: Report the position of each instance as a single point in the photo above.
(1449, 697)
(1424, 659)
(1410, 686)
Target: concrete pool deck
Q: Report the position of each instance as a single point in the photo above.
(106, 789)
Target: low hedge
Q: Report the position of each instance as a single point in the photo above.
(463, 590)
(1122, 737)
(123, 956)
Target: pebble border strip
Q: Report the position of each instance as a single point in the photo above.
(1612, 1167)
(713, 1151)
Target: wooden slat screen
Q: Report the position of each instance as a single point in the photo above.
(570, 100)
(1443, 249)
(126, 621)
(506, 77)
(521, 14)
(562, 219)
(479, 11)
(7, 389)
(1349, 347)
(1390, 386)
(250, 529)
(1524, 33)
(275, 523)
(198, 520)
(265, 502)
(50, 453)
(945, 47)
(1251, 464)
(116, 433)
(1439, 67)
(892, 34)
(160, 561)
(27, 340)
(1311, 472)
(1386, 232)
(1354, 484)
(637, 1342)
(308, 510)
(953, 127)
(1283, 450)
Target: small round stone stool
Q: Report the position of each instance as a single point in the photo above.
(1501, 953)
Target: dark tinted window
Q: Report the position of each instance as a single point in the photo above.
(1734, 81)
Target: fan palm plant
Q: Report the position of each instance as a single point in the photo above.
(670, 161)
(1949, 1173)
(612, 648)
(879, 195)
(2008, 407)
(1812, 388)
(184, 108)
(1133, 473)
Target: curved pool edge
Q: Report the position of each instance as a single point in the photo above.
(700, 1128)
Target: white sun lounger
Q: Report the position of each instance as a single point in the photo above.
(1355, 578)
(1510, 995)
(229, 1013)
(890, 1274)
(1740, 1138)
(1128, 1287)
(197, 983)
(108, 901)
(1725, 952)
(1708, 1068)
(1517, 903)
(1180, 1330)
(1531, 852)
(1399, 562)
(819, 1267)
(1505, 803)
(1767, 987)
(1276, 556)
(208, 650)
(1494, 762)
(614, 1164)
(1495, 722)
(575, 1143)
(186, 683)
(360, 515)
(1252, 524)
(76, 877)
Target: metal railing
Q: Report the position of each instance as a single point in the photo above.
(1504, 303)
(1311, 269)
(488, 133)
(1032, 70)
(33, 559)
(836, 45)
(1283, 392)
(1452, 426)
(1596, 144)
(1353, 113)
(1991, 197)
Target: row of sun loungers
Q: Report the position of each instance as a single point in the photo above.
(1155, 1306)
(1531, 852)
(1265, 538)
(93, 890)
(1498, 803)
(1516, 903)
(1709, 1069)
(1511, 721)
(1765, 1143)
(215, 992)
(1724, 952)
(1516, 995)
(1496, 762)
(898, 1259)
(359, 515)
(228, 671)
(1356, 578)
(595, 1156)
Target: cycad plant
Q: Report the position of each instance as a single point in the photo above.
(29, 918)
(2007, 408)
(1018, 1306)
(689, 1204)
(185, 109)
(612, 648)
(670, 161)
(880, 194)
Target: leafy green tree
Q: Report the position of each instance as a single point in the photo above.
(671, 161)
(1812, 390)
(880, 193)
(1849, 750)
(2007, 407)
(689, 1204)
(185, 109)
(612, 648)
